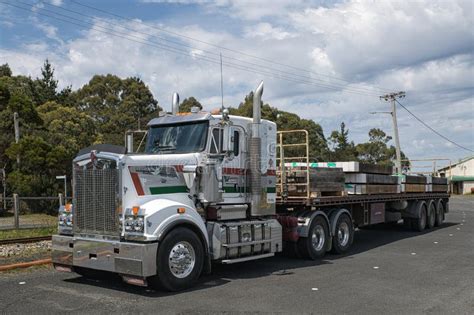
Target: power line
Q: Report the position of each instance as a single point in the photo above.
(177, 51)
(214, 45)
(326, 83)
(430, 128)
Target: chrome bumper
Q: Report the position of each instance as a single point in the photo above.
(120, 257)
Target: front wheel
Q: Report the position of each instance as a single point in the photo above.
(314, 246)
(179, 261)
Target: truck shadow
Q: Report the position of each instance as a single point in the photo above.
(280, 265)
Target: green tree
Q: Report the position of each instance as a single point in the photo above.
(318, 149)
(377, 150)
(188, 103)
(341, 148)
(116, 105)
(5, 70)
(47, 85)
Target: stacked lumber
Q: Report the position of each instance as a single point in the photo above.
(323, 181)
(412, 183)
(436, 184)
(367, 184)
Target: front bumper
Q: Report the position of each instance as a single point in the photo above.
(125, 258)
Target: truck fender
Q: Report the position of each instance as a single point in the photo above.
(334, 216)
(165, 217)
(413, 210)
(308, 218)
(196, 229)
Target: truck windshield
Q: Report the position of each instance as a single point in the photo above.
(180, 138)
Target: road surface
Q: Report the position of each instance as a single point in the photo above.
(389, 271)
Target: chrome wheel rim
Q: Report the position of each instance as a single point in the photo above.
(318, 238)
(343, 234)
(182, 259)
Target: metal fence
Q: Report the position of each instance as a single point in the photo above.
(18, 212)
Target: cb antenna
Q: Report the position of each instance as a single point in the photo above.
(222, 87)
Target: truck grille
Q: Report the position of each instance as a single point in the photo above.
(95, 201)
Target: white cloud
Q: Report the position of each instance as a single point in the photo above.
(420, 47)
(266, 32)
(371, 36)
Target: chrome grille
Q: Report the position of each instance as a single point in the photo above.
(95, 201)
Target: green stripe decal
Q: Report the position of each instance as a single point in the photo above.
(234, 189)
(271, 190)
(168, 190)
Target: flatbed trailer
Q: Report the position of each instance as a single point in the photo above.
(356, 199)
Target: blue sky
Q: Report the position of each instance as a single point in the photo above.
(329, 60)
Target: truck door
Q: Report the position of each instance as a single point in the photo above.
(233, 168)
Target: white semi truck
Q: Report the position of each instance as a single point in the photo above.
(205, 190)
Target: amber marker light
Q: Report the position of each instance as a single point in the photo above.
(135, 210)
(181, 210)
(68, 207)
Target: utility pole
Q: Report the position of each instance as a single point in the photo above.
(16, 125)
(392, 98)
(4, 184)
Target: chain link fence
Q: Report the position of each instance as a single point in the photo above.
(29, 212)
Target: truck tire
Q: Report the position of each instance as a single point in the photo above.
(431, 219)
(314, 246)
(439, 214)
(344, 236)
(419, 224)
(179, 261)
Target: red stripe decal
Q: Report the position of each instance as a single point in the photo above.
(271, 172)
(233, 171)
(179, 168)
(137, 184)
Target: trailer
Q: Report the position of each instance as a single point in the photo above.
(216, 188)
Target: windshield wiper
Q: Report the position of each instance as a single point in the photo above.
(166, 148)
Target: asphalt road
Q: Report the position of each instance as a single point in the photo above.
(389, 270)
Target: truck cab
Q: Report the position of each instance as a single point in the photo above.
(203, 190)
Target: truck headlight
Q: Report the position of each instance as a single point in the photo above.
(134, 224)
(65, 219)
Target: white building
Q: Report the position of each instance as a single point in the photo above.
(461, 175)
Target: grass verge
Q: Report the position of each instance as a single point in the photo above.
(24, 233)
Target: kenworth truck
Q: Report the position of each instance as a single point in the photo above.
(205, 190)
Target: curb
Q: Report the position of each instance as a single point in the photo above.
(26, 264)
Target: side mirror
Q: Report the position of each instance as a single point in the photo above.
(227, 145)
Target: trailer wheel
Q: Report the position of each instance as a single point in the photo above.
(342, 240)
(439, 214)
(179, 261)
(314, 246)
(431, 215)
(419, 224)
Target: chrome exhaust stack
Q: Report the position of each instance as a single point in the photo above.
(175, 104)
(255, 150)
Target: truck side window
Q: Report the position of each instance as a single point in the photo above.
(216, 141)
(236, 143)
